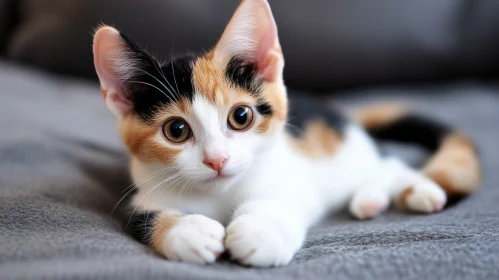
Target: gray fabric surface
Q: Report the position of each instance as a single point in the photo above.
(62, 169)
(337, 43)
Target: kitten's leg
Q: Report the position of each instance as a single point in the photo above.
(408, 188)
(369, 202)
(265, 233)
(373, 197)
(413, 190)
(178, 237)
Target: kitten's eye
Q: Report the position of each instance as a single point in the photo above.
(177, 130)
(240, 117)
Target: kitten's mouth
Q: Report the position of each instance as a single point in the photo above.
(218, 178)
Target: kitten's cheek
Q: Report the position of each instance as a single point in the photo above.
(235, 168)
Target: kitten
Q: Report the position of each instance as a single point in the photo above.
(219, 163)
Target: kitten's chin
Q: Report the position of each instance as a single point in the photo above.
(217, 184)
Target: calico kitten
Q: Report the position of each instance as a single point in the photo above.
(224, 160)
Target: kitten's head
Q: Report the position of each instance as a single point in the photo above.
(207, 118)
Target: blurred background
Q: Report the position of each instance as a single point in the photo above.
(63, 167)
(327, 44)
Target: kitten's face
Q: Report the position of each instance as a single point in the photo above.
(208, 118)
(212, 129)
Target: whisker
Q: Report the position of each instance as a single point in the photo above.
(162, 189)
(170, 189)
(182, 189)
(198, 178)
(122, 198)
(139, 82)
(296, 128)
(156, 173)
(134, 186)
(156, 66)
(145, 72)
(174, 78)
(152, 189)
(160, 70)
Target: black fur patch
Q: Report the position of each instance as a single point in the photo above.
(304, 109)
(153, 86)
(414, 129)
(264, 109)
(141, 226)
(244, 75)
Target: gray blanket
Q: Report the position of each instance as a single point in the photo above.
(63, 169)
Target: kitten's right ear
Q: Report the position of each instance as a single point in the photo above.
(251, 37)
(117, 60)
(109, 51)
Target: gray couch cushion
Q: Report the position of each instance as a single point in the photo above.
(327, 44)
(62, 169)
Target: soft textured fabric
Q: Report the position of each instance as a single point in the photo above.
(62, 170)
(337, 43)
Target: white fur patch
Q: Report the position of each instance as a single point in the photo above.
(277, 197)
(194, 238)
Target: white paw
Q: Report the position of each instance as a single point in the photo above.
(194, 238)
(258, 241)
(426, 197)
(368, 204)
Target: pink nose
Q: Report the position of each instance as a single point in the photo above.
(216, 164)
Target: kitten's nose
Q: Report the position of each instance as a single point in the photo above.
(216, 163)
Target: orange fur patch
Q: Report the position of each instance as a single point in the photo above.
(140, 140)
(264, 126)
(163, 224)
(455, 166)
(378, 115)
(275, 94)
(318, 140)
(210, 81)
(184, 105)
(402, 198)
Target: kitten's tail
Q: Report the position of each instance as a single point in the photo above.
(454, 163)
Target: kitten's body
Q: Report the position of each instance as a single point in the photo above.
(267, 179)
(326, 180)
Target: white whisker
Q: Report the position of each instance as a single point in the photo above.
(160, 70)
(145, 72)
(139, 82)
(134, 186)
(152, 189)
(174, 78)
(156, 173)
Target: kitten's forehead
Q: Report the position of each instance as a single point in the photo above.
(207, 115)
(237, 79)
(205, 89)
(209, 81)
(159, 86)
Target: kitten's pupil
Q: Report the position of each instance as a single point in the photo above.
(177, 129)
(241, 115)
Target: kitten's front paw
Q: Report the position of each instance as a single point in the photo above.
(259, 242)
(194, 238)
(425, 197)
(366, 204)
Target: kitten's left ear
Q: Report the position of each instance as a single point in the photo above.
(251, 36)
(120, 65)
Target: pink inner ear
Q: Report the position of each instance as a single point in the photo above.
(252, 34)
(108, 52)
(267, 61)
(121, 104)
